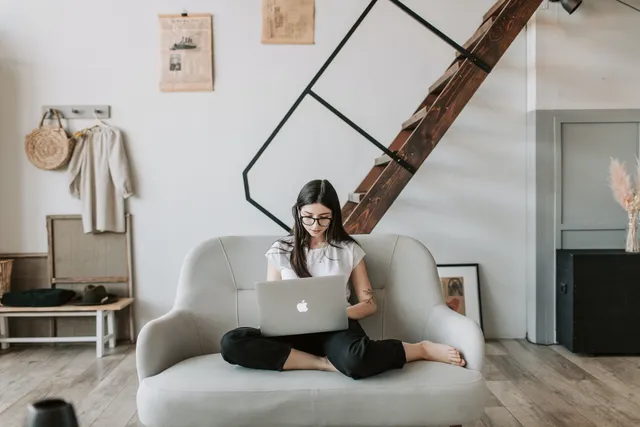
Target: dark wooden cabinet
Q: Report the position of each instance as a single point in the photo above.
(598, 301)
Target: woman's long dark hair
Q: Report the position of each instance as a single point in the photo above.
(316, 191)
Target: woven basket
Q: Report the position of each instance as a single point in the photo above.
(49, 147)
(5, 275)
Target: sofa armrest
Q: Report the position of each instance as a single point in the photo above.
(448, 327)
(165, 341)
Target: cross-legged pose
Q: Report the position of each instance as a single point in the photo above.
(320, 246)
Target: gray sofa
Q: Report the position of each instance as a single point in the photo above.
(184, 382)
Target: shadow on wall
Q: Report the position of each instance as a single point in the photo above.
(11, 149)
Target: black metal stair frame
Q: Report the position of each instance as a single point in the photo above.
(309, 91)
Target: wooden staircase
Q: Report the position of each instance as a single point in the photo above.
(435, 115)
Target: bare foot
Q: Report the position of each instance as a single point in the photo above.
(327, 365)
(442, 353)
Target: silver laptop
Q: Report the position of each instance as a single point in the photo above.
(302, 306)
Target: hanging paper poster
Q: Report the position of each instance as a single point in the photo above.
(186, 62)
(288, 21)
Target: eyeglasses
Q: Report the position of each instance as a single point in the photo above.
(309, 220)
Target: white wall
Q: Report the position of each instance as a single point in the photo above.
(590, 59)
(467, 203)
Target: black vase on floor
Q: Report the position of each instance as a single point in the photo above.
(51, 413)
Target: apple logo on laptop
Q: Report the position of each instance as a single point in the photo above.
(302, 306)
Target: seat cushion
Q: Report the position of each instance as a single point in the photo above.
(207, 391)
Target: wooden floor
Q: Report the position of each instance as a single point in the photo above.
(103, 391)
(530, 386)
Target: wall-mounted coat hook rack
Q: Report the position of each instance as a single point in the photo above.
(80, 111)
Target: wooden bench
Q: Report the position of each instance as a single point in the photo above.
(99, 311)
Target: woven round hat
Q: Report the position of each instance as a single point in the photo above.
(49, 147)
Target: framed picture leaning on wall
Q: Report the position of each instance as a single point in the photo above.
(460, 285)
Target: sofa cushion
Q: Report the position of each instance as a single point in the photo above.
(206, 390)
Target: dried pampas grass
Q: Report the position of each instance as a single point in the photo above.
(637, 176)
(624, 194)
(620, 183)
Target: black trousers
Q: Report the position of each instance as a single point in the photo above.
(350, 351)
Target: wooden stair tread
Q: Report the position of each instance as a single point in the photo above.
(356, 197)
(382, 160)
(475, 38)
(495, 9)
(420, 112)
(440, 84)
(452, 97)
(413, 121)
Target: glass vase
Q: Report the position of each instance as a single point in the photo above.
(633, 244)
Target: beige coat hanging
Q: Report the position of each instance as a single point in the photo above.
(99, 176)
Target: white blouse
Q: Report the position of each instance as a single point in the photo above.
(326, 261)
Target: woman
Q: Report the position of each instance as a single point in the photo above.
(319, 245)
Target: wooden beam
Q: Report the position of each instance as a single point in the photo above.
(440, 117)
(347, 209)
(400, 140)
